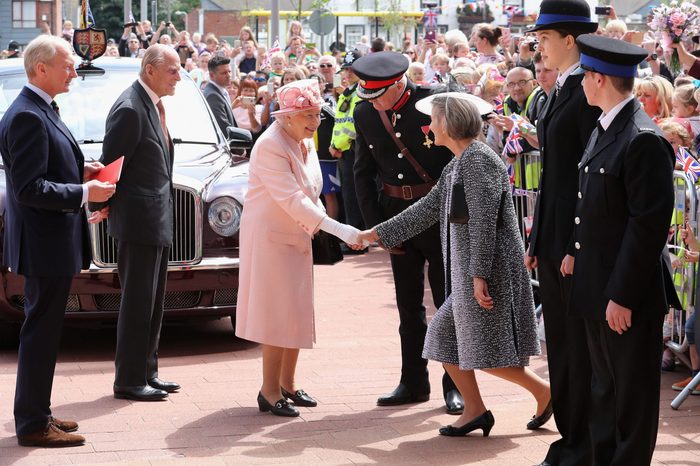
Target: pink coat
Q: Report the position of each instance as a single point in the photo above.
(281, 212)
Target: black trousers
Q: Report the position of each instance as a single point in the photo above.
(353, 214)
(44, 310)
(569, 368)
(142, 272)
(625, 391)
(409, 282)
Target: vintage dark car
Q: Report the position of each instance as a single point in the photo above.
(210, 180)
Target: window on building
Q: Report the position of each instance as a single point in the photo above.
(353, 33)
(24, 13)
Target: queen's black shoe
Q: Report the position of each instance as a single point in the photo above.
(280, 408)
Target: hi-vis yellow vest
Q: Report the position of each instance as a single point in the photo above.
(344, 129)
(533, 165)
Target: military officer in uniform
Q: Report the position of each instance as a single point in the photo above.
(625, 201)
(393, 147)
(563, 130)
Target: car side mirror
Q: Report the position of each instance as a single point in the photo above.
(239, 139)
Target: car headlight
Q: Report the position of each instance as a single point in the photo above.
(225, 216)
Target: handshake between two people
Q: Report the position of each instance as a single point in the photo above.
(98, 191)
(354, 238)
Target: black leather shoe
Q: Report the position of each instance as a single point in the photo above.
(299, 398)
(454, 402)
(169, 387)
(140, 393)
(280, 408)
(401, 396)
(538, 421)
(484, 422)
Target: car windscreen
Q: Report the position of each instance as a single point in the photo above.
(85, 107)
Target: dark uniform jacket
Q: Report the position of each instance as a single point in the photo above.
(622, 217)
(562, 131)
(377, 154)
(220, 105)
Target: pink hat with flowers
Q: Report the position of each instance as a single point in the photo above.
(298, 96)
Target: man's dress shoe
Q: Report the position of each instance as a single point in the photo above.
(454, 402)
(65, 426)
(401, 396)
(300, 398)
(140, 393)
(169, 387)
(50, 437)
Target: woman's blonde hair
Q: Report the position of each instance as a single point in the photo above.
(662, 89)
(686, 95)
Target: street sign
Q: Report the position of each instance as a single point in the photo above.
(322, 22)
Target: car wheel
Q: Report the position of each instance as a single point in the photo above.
(9, 335)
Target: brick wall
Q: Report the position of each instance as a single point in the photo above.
(221, 23)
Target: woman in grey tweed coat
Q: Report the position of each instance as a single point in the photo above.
(487, 321)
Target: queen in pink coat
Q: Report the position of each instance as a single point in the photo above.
(281, 213)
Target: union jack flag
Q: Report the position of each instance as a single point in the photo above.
(498, 103)
(690, 165)
(430, 18)
(274, 49)
(512, 144)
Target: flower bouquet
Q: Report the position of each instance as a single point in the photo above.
(674, 23)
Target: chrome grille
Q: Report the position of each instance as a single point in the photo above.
(173, 300)
(186, 247)
(72, 305)
(225, 297)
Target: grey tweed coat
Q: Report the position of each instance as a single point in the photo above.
(462, 332)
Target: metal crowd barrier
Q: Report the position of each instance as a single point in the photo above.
(687, 196)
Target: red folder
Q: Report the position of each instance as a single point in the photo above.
(112, 172)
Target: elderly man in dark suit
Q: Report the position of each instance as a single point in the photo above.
(216, 94)
(625, 201)
(141, 220)
(46, 236)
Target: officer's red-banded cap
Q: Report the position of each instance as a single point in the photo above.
(378, 71)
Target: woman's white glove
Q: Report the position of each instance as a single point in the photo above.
(347, 233)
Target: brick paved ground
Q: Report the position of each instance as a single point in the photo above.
(214, 419)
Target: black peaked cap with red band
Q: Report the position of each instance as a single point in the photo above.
(377, 72)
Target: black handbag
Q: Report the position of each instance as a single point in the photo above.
(459, 211)
(326, 249)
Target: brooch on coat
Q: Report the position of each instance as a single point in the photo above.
(428, 142)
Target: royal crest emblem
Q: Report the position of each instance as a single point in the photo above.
(90, 43)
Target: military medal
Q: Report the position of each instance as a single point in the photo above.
(428, 142)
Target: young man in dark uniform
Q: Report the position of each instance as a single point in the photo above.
(562, 131)
(625, 201)
(386, 120)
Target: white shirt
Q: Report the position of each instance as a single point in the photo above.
(154, 97)
(563, 76)
(47, 98)
(607, 119)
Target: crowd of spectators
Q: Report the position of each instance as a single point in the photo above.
(492, 63)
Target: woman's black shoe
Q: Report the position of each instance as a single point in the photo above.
(300, 398)
(538, 421)
(280, 408)
(484, 422)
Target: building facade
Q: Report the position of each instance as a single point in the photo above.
(23, 20)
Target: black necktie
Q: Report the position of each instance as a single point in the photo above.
(54, 106)
(601, 132)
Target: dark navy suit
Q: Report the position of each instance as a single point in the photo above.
(46, 240)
